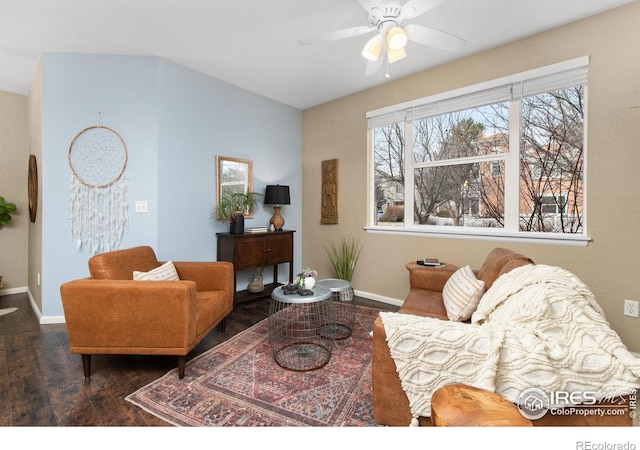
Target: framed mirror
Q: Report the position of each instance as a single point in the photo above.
(233, 175)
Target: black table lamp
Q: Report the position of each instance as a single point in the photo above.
(277, 195)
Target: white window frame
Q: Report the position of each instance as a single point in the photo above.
(556, 76)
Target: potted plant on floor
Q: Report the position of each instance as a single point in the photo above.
(344, 256)
(234, 206)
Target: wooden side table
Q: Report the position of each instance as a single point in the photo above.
(459, 405)
(253, 251)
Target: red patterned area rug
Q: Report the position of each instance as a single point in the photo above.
(238, 383)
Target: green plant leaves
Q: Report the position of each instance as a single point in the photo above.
(344, 256)
(5, 209)
(236, 203)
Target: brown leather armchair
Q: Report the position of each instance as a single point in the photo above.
(110, 313)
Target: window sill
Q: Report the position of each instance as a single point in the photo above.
(574, 240)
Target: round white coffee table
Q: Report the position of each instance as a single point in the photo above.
(295, 322)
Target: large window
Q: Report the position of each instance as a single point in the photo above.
(505, 158)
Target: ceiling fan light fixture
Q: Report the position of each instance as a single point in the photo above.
(371, 50)
(386, 19)
(396, 55)
(397, 38)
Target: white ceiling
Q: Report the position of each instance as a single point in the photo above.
(253, 43)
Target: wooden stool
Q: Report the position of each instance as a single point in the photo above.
(458, 405)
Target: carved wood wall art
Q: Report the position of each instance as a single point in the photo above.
(329, 214)
(33, 188)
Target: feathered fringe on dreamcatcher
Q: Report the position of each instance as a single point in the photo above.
(98, 203)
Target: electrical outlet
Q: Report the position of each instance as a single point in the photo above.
(631, 308)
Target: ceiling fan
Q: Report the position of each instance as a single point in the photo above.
(388, 18)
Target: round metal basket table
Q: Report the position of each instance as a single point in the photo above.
(295, 324)
(344, 305)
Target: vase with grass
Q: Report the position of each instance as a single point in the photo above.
(344, 256)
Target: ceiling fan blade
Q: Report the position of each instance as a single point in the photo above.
(434, 38)
(371, 4)
(374, 66)
(337, 35)
(415, 8)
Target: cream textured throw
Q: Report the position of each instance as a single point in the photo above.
(537, 326)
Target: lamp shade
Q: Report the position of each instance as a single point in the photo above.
(276, 194)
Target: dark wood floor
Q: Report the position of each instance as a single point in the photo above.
(41, 383)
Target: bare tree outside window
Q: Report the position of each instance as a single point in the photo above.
(462, 165)
(448, 192)
(389, 173)
(551, 161)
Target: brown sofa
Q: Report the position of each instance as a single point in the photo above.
(390, 403)
(110, 313)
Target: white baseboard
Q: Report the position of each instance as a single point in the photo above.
(34, 306)
(379, 298)
(11, 291)
(48, 320)
(43, 320)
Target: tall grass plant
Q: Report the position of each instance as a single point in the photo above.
(344, 256)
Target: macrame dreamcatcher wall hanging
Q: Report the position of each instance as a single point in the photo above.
(98, 203)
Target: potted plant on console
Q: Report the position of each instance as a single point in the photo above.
(234, 206)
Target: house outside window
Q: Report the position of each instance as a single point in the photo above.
(554, 205)
(504, 158)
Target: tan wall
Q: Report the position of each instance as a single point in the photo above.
(35, 148)
(13, 187)
(609, 265)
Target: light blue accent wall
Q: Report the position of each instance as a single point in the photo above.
(173, 121)
(200, 118)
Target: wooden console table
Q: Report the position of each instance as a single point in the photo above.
(252, 251)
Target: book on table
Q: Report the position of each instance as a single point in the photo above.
(430, 262)
(256, 230)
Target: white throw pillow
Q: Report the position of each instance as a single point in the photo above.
(166, 272)
(462, 293)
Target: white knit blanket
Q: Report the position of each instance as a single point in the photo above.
(537, 326)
